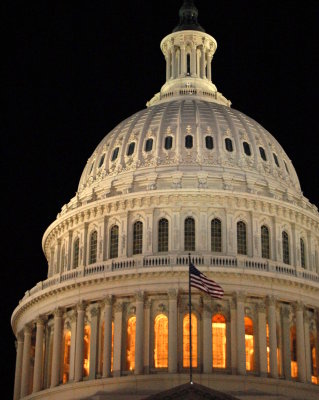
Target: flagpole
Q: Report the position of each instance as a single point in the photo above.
(190, 321)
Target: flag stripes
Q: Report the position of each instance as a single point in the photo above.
(201, 282)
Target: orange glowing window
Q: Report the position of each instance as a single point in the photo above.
(161, 341)
(86, 362)
(314, 370)
(130, 343)
(112, 346)
(186, 352)
(66, 356)
(249, 344)
(293, 352)
(268, 349)
(219, 341)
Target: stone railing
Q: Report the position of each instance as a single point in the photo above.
(208, 262)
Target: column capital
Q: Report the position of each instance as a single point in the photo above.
(94, 311)
(139, 296)
(108, 300)
(58, 312)
(261, 308)
(40, 320)
(271, 301)
(172, 294)
(299, 306)
(118, 307)
(27, 329)
(20, 336)
(285, 311)
(81, 306)
(240, 297)
(147, 304)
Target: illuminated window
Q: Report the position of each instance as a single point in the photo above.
(268, 348)
(216, 235)
(265, 245)
(149, 145)
(114, 241)
(219, 341)
(186, 342)
(130, 149)
(262, 153)
(293, 352)
(130, 343)
(66, 356)
(249, 344)
(76, 253)
(247, 149)
(163, 235)
(314, 370)
(138, 238)
(115, 154)
(112, 347)
(276, 159)
(229, 145)
(209, 141)
(86, 361)
(101, 161)
(93, 247)
(189, 234)
(188, 141)
(161, 341)
(302, 253)
(241, 238)
(168, 142)
(285, 248)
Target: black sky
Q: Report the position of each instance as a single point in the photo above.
(73, 70)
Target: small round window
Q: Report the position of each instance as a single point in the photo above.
(247, 149)
(130, 149)
(168, 142)
(229, 144)
(148, 145)
(262, 153)
(209, 141)
(276, 159)
(188, 141)
(115, 154)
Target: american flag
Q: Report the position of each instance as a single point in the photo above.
(201, 282)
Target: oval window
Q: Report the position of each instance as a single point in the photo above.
(115, 154)
(168, 142)
(149, 145)
(262, 153)
(101, 161)
(209, 141)
(130, 149)
(189, 141)
(228, 144)
(247, 149)
(276, 159)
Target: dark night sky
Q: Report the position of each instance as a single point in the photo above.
(73, 70)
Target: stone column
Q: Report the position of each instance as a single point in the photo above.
(95, 313)
(85, 245)
(17, 376)
(262, 339)
(193, 60)
(209, 67)
(272, 326)
(307, 346)
(300, 337)
(139, 334)
(183, 61)
(38, 359)
(118, 322)
(72, 346)
(202, 62)
(107, 336)
(168, 65)
(79, 343)
(172, 330)
(57, 345)
(207, 336)
(285, 317)
(173, 62)
(233, 336)
(147, 331)
(26, 361)
(241, 345)
(69, 258)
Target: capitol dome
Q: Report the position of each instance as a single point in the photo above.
(187, 178)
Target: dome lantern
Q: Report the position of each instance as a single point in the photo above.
(188, 14)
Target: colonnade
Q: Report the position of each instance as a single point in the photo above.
(41, 348)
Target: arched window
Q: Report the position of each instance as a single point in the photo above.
(302, 253)
(241, 238)
(216, 235)
(209, 141)
(130, 149)
(149, 145)
(285, 248)
(229, 144)
(293, 352)
(188, 141)
(93, 247)
(219, 341)
(168, 142)
(189, 234)
(66, 356)
(161, 341)
(130, 343)
(115, 154)
(265, 243)
(76, 247)
(247, 149)
(163, 234)
(186, 352)
(86, 361)
(276, 159)
(249, 344)
(114, 241)
(262, 153)
(101, 160)
(138, 238)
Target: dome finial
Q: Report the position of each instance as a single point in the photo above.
(188, 14)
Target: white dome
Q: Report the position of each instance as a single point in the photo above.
(233, 170)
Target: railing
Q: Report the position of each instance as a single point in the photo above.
(241, 263)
